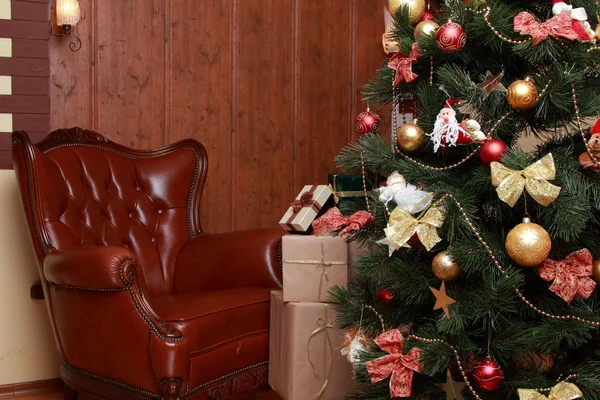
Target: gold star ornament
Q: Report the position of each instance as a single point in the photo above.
(442, 300)
(452, 389)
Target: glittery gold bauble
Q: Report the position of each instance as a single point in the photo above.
(522, 95)
(416, 8)
(528, 244)
(596, 270)
(425, 28)
(444, 267)
(410, 137)
(598, 32)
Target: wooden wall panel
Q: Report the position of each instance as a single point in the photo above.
(131, 71)
(270, 87)
(200, 91)
(326, 81)
(72, 75)
(262, 139)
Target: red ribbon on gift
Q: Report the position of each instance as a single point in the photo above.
(570, 275)
(403, 65)
(333, 220)
(558, 26)
(400, 366)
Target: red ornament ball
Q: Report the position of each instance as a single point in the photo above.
(451, 37)
(368, 122)
(384, 296)
(427, 16)
(492, 150)
(415, 242)
(488, 375)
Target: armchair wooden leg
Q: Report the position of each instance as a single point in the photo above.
(70, 393)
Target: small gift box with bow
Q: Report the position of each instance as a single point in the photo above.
(311, 200)
(312, 265)
(304, 358)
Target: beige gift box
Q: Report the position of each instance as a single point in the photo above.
(312, 265)
(305, 208)
(305, 362)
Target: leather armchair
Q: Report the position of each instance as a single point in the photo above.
(143, 304)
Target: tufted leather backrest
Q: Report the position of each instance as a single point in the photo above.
(80, 189)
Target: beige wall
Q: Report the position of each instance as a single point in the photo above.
(27, 349)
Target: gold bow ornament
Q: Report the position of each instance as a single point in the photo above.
(402, 226)
(562, 391)
(510, 184)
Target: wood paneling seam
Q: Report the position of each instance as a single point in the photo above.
(234, 26)
(353, 56)
(295, 94)
(168, 70)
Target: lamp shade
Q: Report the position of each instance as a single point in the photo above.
(67, 12)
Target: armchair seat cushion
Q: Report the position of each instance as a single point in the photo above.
(216, 318)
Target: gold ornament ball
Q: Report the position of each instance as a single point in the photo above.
(522, 95)
(444, 267)
(598, 32)
(416, 8)
(425, 28)
(528, 244)
(410, 137)
(596, 271)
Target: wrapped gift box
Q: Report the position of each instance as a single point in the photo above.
(309, 202)
(305, 362)
(312, 265)
(348, 187)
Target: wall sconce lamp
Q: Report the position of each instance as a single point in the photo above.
(68, 15)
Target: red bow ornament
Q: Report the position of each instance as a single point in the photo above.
(570, 275)
(558, 26)
(403, 65)
(400, 366)
(333, 220)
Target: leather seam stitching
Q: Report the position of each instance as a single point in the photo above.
(87, 289)
(225, 343)
(139, 308)
(109, 380)
(215, 312)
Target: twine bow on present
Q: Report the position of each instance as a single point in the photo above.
(558, 26)
(562, 391)
(323, 326)
(510, 184)
(402, 226)
(403, 65)
(571, 275)
(322, 263)
(400, 366)
(333, 220)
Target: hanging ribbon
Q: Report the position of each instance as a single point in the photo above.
(333, 220)
(559, 26)
(562, 391)
(322, 263)
(402, 226)
(403, 65)
(400, 366)
(510, 184)
(323, 326)
(570, 276)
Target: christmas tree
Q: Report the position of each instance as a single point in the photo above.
(480, 267)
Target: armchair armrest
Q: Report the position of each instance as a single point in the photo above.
(99, 331)
(91, 268)
(230, 260)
